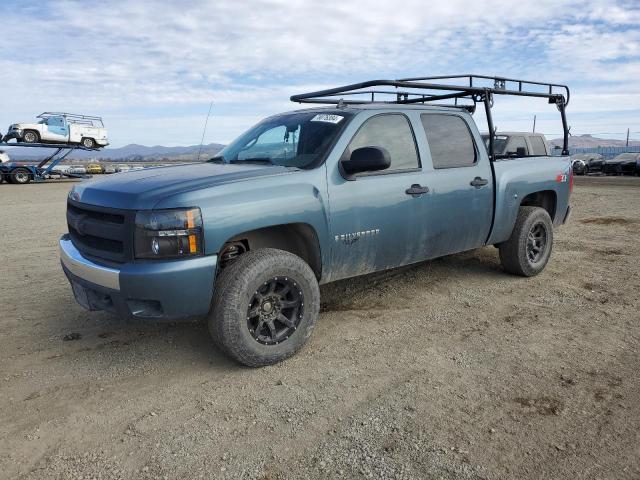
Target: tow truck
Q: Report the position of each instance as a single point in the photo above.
(22, 173)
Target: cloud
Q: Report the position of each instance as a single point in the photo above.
(152, 63)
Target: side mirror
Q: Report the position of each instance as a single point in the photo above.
(366, 159)
(521, 152)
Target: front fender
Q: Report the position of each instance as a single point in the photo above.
(234, 208)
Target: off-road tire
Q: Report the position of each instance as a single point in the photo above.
(30, 136)
(234, 290)
(515, 255)
(20, 176)
(88, 142)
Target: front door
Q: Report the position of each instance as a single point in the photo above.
(375, 219)
(57, 129)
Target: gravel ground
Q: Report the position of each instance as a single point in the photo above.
(450, 369)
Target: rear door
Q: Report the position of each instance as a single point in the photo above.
(460, 180)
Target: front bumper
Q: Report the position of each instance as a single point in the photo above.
(17, 134)
(169, 290)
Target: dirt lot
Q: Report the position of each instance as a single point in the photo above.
(448, 369)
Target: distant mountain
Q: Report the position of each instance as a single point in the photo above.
(128, 153)
(589, 141)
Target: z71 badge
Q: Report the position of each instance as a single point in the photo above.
(351, 238)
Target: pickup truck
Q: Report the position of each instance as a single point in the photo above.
(519, 144)
(61, 128)
(301, 199)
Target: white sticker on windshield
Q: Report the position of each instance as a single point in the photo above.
(327, 117)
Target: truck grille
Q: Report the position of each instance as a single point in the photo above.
(104, 233)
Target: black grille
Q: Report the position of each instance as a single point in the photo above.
(103, 233)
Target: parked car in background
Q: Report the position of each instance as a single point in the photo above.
(94, 168)
(518, 144)
(123, 168)
(110, 169)
(623, 164)
(77, 170)
(58, 127)
(585, 163)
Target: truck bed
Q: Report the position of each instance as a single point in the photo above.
(516, 178)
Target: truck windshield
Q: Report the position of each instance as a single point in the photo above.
(292, 140)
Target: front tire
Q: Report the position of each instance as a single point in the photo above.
(30, 136)
(265, 306)
(527, 251)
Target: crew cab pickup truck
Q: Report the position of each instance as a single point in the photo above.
(61, 128)
(301, 199)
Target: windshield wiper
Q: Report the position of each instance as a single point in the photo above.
(265, 160)
(216, 159)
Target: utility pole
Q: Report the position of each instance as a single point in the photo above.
(534, 124)
(627, 137)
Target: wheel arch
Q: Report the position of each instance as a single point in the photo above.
(34, 131)
(547, 199)
(300, 239)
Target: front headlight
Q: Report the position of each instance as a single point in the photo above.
(169, 233)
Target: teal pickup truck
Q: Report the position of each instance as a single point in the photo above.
(373, 180)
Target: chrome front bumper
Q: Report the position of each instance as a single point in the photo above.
(87, 270)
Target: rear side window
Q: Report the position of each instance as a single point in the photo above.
(537, 144)
(450, 140)
(393, 133)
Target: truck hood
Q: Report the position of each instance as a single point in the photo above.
(143, 189)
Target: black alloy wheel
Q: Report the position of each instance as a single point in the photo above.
(275, 311)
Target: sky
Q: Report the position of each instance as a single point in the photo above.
(152, 68)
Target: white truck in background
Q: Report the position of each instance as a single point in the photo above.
(61, 128)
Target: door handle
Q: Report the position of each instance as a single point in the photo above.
(416, 190)
(479, 182)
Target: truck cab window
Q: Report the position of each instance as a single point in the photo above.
(393, 133)
(538, 146)
(450, 140)
(514, 144)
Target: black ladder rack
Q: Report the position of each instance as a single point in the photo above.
(424, 90)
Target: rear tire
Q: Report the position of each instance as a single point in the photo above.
(88, 142)
(252, 321)
(527, 251)
(20, 176)
(31, 136)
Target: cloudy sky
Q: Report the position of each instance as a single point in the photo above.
(152, 68)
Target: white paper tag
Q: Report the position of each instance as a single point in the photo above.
(327, 117)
